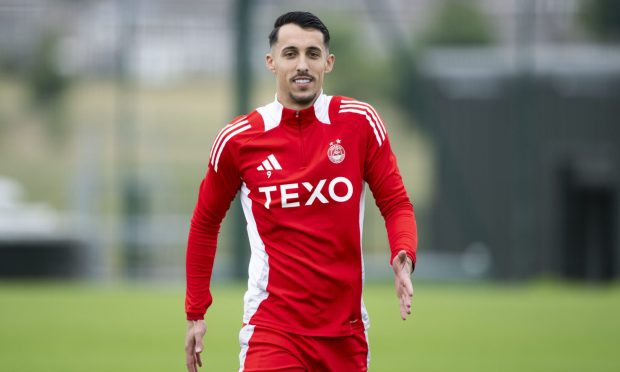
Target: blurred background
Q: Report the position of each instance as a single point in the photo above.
(504, 116)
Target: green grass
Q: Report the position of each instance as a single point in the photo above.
(541, 327)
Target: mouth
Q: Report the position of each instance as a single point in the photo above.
(302, 81)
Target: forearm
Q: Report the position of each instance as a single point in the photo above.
(402, 231)
(213, 202)
(386, 183)
(201, 248)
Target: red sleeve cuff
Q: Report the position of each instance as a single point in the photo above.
(195, 316)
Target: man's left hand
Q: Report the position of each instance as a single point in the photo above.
(403, 267)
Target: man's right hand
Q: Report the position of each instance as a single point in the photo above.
(196, 330)
(403, 267)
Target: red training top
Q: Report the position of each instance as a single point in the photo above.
(302, 176)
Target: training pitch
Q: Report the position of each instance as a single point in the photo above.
(474, 327)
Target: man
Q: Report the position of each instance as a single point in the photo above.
(301, 164)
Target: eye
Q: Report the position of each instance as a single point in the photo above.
(289, 54)
(315, 54)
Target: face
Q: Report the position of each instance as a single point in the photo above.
(299, 60)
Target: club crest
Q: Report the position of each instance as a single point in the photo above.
(336, 152)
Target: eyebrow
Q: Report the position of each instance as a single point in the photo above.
(289, 48)
(295, 49)
(313, 48)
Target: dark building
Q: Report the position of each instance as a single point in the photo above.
(528, 151)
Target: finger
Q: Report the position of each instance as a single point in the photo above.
(407, 289)
(397, 286)
(199, 334)
(407, 304)
(189, 347)
(409, 294)
(190, 344)
(189, 341)
(407, 301)
(409, 286)
(198, 342)
(190, 362)
(406, 298)
(403, 314)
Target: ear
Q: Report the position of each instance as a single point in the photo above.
(270, 63)
(329, 66)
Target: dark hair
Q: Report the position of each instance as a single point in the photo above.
(301, 19)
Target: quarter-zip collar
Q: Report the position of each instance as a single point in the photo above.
(305, 117)
(298, 118)
(275, 114)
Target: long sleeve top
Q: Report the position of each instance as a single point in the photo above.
(303, 177)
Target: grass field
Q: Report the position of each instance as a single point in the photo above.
(534, 327)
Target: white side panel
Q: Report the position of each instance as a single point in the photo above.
(365, 317)
(244, 340)
(258, 272)
(368, 345)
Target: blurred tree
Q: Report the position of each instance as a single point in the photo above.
(602, 19)
(458, 22)
(46, 81)
(358, 72)
(408, 84)
(48, 85)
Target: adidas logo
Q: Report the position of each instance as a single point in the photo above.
(269, 164)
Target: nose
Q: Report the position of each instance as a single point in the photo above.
(302, 65)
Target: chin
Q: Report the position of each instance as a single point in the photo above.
(303, 99)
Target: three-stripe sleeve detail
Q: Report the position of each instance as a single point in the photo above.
(224, 136)
(369, 113)
(222, 132)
